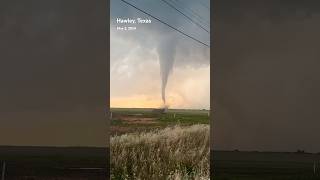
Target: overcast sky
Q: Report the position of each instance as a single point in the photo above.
(52, 73)
(266, 76)
(135, 56)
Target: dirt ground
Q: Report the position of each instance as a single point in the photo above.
(137, 120)
(132, 123)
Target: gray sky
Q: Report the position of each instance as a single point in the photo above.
(266, 75)
(135, 69)
(52, 73)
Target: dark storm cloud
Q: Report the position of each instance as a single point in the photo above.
(51, 55)
(266, 75)
(53, 72)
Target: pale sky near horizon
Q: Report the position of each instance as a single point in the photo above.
(135, 79)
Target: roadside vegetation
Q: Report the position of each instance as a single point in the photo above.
(175, 152)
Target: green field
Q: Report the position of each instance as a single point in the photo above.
(236, 165)
(126, 120)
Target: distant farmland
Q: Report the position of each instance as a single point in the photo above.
(237, 165)
(48, 163)
(128, 120)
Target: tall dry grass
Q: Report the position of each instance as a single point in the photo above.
(171, 153)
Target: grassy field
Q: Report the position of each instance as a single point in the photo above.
(127, 120)
(48, 163)
(149, 145)
(171, 153)
(233, 165)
